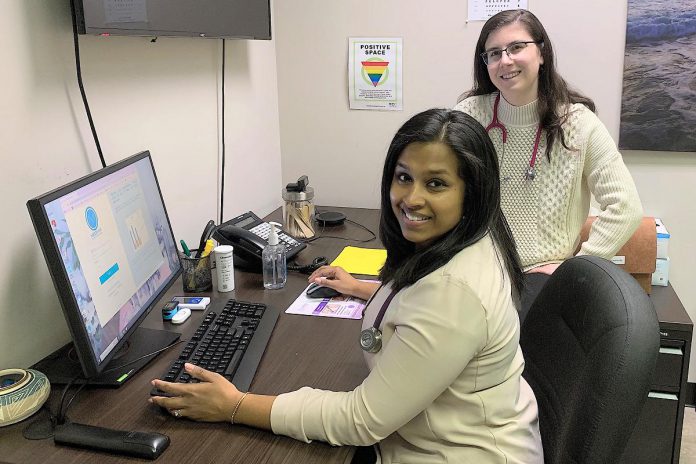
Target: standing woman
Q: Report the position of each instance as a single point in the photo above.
(552, 149)
(441, 335)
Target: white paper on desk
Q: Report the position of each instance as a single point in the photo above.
(342, 306)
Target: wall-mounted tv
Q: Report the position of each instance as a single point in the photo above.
(233, 19)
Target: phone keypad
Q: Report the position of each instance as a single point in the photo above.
(264, 229)
(257, 226)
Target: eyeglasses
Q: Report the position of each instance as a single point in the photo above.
(491, 57)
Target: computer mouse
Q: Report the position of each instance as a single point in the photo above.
(319, 291)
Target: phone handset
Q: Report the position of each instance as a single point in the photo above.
(248, 233)
(238, 236)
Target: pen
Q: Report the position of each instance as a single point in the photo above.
(209, 245)
(185, 247)
(207, 232)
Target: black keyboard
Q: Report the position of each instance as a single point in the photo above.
(230, 343)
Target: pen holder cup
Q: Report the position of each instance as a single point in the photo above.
(196, 275)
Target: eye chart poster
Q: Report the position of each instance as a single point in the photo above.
(481, 10)
(374, 74)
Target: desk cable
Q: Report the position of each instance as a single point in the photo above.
(82, 87)
(316, 263)
(321, 260)
(322, 228)
(41, 429)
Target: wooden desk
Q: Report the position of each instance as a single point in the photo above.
(303, 351)
(317, 352)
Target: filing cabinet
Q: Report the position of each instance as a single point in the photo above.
(656, 438)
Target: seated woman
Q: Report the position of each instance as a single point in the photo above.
(440, 334)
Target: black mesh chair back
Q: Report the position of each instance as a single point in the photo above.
(590, 343)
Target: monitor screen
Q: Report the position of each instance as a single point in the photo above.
(110, 251)
(239, 19)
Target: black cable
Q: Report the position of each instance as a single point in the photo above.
(364, 227)
(82, 88)
(321, 260)
(63, 412)
(60, 417)
(321, 231)
(318, 262)
(133, 361)
(222, 174)
(41, 429)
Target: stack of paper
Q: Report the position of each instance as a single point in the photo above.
(363, 261)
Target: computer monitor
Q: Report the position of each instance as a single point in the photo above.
(111, 254)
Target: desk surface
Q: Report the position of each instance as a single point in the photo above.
(303, 350)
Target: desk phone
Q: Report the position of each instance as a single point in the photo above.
(254, 224)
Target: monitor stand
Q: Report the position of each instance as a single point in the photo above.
(63, 366)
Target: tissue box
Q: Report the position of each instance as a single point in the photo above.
(638, 255)
(662, 240)
(661, 274)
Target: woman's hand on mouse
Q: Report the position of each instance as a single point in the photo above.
(337, 278)
(211, 400)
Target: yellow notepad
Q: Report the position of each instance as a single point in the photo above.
(364, 261)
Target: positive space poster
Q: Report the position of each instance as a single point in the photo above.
(374, 74)
(658, 109)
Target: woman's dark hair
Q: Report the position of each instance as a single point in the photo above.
(478, 167)
(554, 93)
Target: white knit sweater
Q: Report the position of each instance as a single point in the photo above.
(547, 213)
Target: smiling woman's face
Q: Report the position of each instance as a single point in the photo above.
(517, 78)
(427, 194)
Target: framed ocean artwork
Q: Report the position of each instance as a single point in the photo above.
(658, 105)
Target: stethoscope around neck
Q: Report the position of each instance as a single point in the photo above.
(371, 338)
(530, 173)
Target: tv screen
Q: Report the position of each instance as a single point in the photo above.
(110, 250)
(235, 19)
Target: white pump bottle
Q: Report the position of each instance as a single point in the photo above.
(274, 262)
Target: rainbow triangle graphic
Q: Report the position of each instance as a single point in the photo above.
(375, 70)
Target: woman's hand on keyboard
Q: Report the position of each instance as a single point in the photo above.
(212, 399)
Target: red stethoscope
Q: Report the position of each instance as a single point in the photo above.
(496, 124)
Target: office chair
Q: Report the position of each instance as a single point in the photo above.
(590, 343)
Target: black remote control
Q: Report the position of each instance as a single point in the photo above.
(148, 445)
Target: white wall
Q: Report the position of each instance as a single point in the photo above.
(342, 150)
(161, 96)
(164, 97)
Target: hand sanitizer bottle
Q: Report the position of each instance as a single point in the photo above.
(275, 270)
